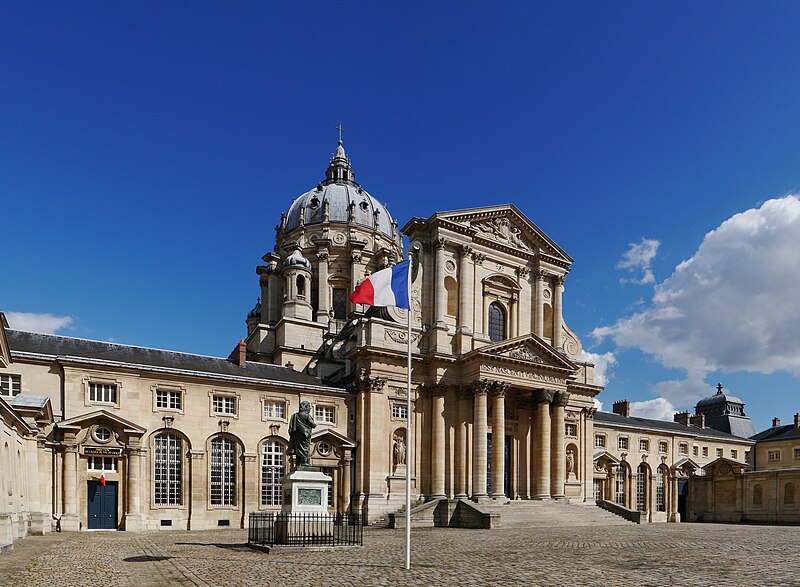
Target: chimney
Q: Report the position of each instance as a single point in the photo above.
(242, 353)
(622, 408)
(290, 365)
(682, 417)
(698, 420)
(797, 420)
(776, 422)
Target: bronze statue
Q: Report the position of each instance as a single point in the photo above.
(300, 426)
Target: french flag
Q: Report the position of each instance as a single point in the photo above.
(387, 287)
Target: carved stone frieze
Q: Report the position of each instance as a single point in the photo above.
(503, 231)
(400, 336)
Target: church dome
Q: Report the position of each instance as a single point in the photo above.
(255, 313)
(339, 199)
(718, 398)
(296, 259)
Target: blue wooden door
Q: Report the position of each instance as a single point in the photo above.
(102, 500)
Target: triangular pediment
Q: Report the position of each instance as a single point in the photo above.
(332, 436)
(724, 466)
(605, 456)
(528, 348)
(85, 420)
(507, 226)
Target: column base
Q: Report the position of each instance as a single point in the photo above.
(541, 497)
(40, 523)
(70, 523)
(481, 498)
(134, 522)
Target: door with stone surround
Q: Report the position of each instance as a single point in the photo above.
(102, 505)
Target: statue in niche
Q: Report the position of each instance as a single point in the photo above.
(570, 462)
(399, 451)
(300, 426)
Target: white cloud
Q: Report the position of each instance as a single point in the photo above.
(639, 257)
(732, 306)
(44, 323)
(598, 404)
(655, 409)
(602, 362)
(683, 392)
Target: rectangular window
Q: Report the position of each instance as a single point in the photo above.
(168, 399)
(571, 429)
(223, 471)
(619, 485)
(339, 303)
(272, 469)
(101, 463)
(660, 491)
(599, 441)
(641, 489)
(734, 454)
(105, 393)
(797, 453)
(325, 414)
(683, 448)
(719, 453)
(695, 451)
(168, 470)
(644, 445)
(662, 447)
(773, 455)
(622, 443)
(705, 451)
(10, 385)
(224, 404)
(399, 411)
(274, 409)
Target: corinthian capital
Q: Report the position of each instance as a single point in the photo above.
(541, 396)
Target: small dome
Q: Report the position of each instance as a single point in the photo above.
(296, 259)
(255, 313)
(718, 398)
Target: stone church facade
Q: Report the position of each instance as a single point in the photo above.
(126, 437)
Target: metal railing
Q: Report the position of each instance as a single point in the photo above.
(270, 528)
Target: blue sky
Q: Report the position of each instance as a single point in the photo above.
(148, 149)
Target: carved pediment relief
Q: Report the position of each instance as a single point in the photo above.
(530, 350)
(503, 231)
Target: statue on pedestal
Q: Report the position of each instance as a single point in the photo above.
(300, 426)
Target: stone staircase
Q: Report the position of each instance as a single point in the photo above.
(551, 514)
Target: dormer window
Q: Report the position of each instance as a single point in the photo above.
(314, 204)
(363, 205)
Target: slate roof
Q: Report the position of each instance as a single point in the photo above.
(662, 425)
(29, 401)
(787, 432)
(63, 346)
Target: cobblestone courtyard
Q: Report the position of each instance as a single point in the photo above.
(686, 554)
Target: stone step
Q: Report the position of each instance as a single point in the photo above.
(532, 514)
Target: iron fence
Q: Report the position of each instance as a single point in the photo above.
(271, 528)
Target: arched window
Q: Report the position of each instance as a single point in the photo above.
(788, 494)
(272, 468)
(168, 469)
(548, 321)
(301, 286)
(641, 488)
(620, 480)
(451, 288)
(224, 453)
(497, 322)
(757, 495)
(661, 482)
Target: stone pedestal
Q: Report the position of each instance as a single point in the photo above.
(304, 515)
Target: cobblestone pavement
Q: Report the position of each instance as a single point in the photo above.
(660, 554)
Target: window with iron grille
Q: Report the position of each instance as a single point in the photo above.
(622, 443)
(224, 404)
(705, 451)
(734, 453)
(619, 485)
(662, 447)
(773, 455)
(105, 393)
(223, 471)
(325, 414)
(339, 303)
(272, 468)
(641, 488)
(660, 490)
(644, 445)
(497, 322)
(719, 453)
(797, 453)
(274, 409)
(168, 470)
(599, 441)
(683, 448)
(10, 385)
(168, 399)
(399, 411)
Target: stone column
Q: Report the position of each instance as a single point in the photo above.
(673, 495)
(558, 319)
(478, 311)
(355, 273)
(558, 449)
(542, 399)
(465, 290)
(70, 521)
(464, 405)
(588, 453)
(513, 327)
(538, 315)
(479, 432)
(498, 439)
(133, 517)
(323, 295)
(437, 442)
(346, 490)
(439, 293)
(533, 464)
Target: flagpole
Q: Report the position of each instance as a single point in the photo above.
(409, 443)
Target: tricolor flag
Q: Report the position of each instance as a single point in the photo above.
(103, 479)
(387, 287)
